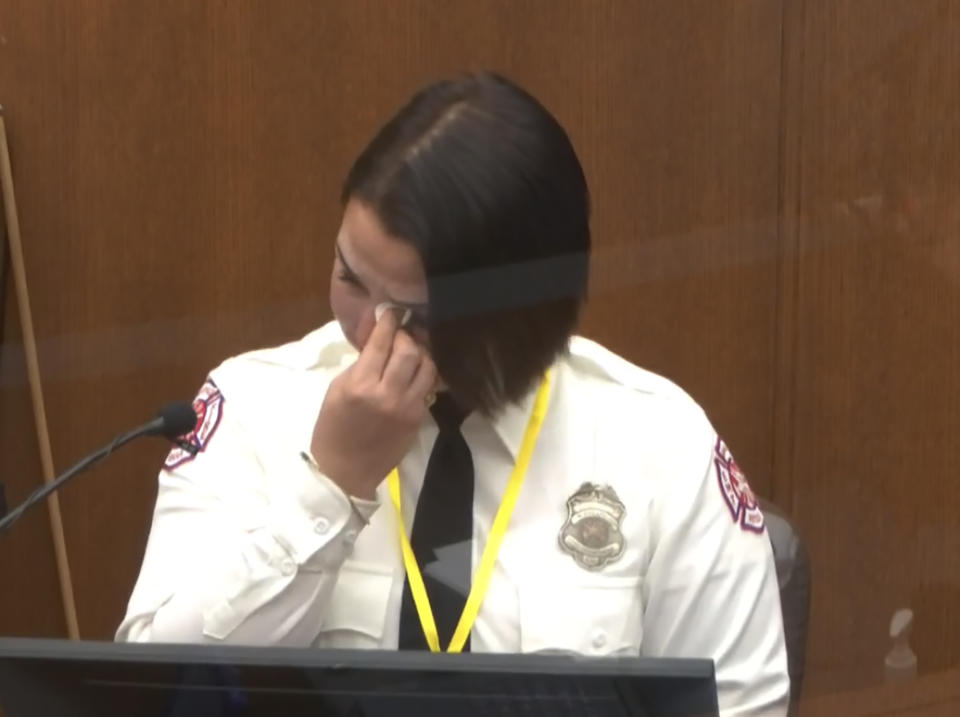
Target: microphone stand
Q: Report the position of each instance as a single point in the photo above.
(47, 488)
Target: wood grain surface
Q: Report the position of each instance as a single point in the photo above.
(776, 212)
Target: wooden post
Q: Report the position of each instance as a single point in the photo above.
(33, 378)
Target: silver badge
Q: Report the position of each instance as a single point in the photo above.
(591, 534)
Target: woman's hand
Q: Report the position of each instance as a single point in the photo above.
(373, 410)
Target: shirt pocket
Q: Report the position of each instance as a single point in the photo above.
(591, 617)
(357, 612)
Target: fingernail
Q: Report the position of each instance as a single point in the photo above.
(380, 308)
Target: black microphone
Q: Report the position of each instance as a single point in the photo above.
(172, 421)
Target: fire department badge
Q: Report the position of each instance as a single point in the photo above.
(591, 533)
(208, 405)
(736, 491)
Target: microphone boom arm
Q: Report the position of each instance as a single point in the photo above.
(48, 488)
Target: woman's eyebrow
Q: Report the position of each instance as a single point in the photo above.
(413, 306)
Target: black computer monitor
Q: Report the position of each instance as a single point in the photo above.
(56, 678)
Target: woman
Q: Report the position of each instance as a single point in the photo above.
(623, 525)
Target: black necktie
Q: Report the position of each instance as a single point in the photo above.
(442, 534)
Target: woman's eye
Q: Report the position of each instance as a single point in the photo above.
(349, 279)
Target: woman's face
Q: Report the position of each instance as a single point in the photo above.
(372, 267)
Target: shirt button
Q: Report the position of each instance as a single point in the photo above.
(288, 567)
(321, 526)
(599, 639)
(350, 537)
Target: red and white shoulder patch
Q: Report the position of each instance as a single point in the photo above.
(736, 491)
(208, 405)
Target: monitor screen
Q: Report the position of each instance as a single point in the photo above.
(55, 678)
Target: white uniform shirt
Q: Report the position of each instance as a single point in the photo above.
(250, 544)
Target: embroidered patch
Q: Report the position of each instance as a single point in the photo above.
(208, 405)
(736, 491)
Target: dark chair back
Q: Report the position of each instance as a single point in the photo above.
(793, 574)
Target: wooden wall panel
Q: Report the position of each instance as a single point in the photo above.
(878, 331)
(682, 152)
(777, 205)
(30, 603)
(179, 165)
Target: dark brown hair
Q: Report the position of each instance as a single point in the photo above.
(484, 183)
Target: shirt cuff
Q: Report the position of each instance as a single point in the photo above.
(319, 515)
(362, 508)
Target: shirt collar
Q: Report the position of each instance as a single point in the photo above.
(328, 348)
(510, 424)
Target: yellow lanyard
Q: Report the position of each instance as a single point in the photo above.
(482, 577)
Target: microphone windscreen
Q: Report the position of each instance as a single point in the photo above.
(178, 418)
